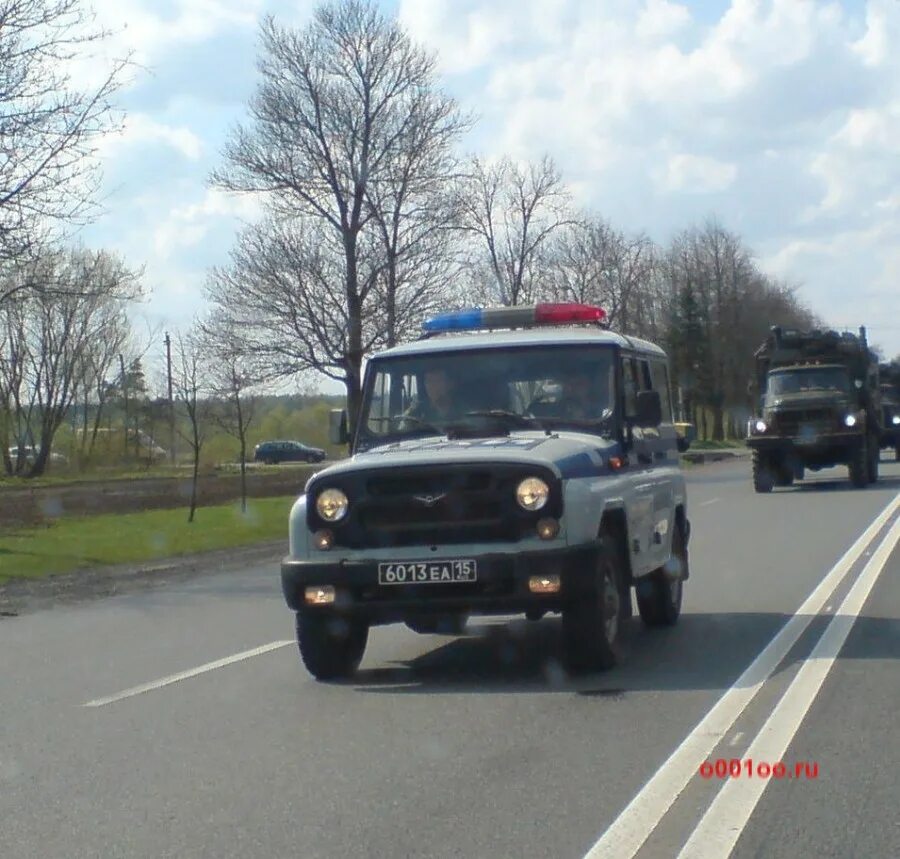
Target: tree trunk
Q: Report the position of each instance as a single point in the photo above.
(243, 471)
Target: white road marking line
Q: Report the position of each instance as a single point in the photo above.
(736, 738)
(706, 503)
(720, 828)
(185, 675)
(628, 832)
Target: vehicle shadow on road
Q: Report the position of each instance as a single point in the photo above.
(704, 652)
(837, 485)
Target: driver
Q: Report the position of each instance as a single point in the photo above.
(440, 402)
(577, 401)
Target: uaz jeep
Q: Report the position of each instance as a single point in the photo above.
(511, 461)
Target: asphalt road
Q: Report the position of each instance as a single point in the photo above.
(128, 730)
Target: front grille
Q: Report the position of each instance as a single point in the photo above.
(436, 505)
(806, 420)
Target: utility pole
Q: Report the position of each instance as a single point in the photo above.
(124, 401)
(168, 342)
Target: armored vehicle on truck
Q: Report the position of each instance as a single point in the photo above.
(819, 406)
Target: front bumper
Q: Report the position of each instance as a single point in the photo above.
(502, 586)
(833, 442)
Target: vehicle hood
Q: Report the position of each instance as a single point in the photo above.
(568, 453)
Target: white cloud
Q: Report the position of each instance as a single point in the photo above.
(698, 174)
(661, 19)
(186, 226)
(141, 130)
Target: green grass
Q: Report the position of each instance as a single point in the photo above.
(94, 541)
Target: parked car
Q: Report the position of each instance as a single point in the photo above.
(30, 454)
(272, 452)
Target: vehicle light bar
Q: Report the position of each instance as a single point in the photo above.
(477, 318)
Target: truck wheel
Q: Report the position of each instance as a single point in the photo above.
(331, 647)
(874, 457)
(444, 624)
(784, 475)
(897, 453)
(859, 465)
(659, 595)
(590, 625)
(763, 479)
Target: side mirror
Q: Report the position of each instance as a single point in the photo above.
(337, 426)
(649, 409)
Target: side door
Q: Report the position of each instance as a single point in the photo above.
(639, 493)
(663, 448)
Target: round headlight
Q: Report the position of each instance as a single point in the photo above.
(760, 426)
(331, 505)
(850, 421)
(895, 420)
(532, 493)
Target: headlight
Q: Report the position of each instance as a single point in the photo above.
(532, 493)
(895, 420)
(331, 505)
(760, 426)
(850, 421)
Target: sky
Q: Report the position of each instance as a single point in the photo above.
(779, 118)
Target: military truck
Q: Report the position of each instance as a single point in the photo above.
(819, 403)
(889, 377)
(511, 461)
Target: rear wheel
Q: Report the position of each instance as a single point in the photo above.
(331, 647)
(591, 624)
(443, 624)
(659, 595)
(763, 478)
(859, 465)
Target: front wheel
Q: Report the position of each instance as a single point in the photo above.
(874, 457)
(897, 452)
(859, 465)
(659, 595)
(591, 624)
(331, 647)
(763, 478)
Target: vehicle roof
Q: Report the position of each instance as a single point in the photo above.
(546, 335)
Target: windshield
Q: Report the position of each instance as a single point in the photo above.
(796, 381)
(533, 387)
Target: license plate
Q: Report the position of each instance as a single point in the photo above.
(427, 572)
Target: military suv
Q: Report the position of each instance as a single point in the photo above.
(511, 461)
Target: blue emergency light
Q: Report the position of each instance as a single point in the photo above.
(479, 318)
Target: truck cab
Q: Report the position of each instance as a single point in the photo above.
(511, 461)
(819, 407)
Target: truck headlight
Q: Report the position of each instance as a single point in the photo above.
(532, 493)
(895, 420)
(760, 426)
(331, 505)
(850, 421)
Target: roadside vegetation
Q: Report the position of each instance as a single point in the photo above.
(65, 545)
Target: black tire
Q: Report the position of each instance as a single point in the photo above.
(591, 624)
(784, 475)
(763, 477)
(443, 624)
(331, 647)
(897, 453)
(859, 465)
(874, 457)
(659, 596)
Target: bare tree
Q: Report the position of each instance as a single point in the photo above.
(191, 389)
(49, 127)
(512, 212)
(234, 377)
(337, 101)
(48, 335)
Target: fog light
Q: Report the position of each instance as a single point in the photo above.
(547, 529)
(323, 540)
(544, 584)
(320, 595)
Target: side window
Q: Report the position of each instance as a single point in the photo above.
(643, 376)
(630, 385)
(659, 374)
